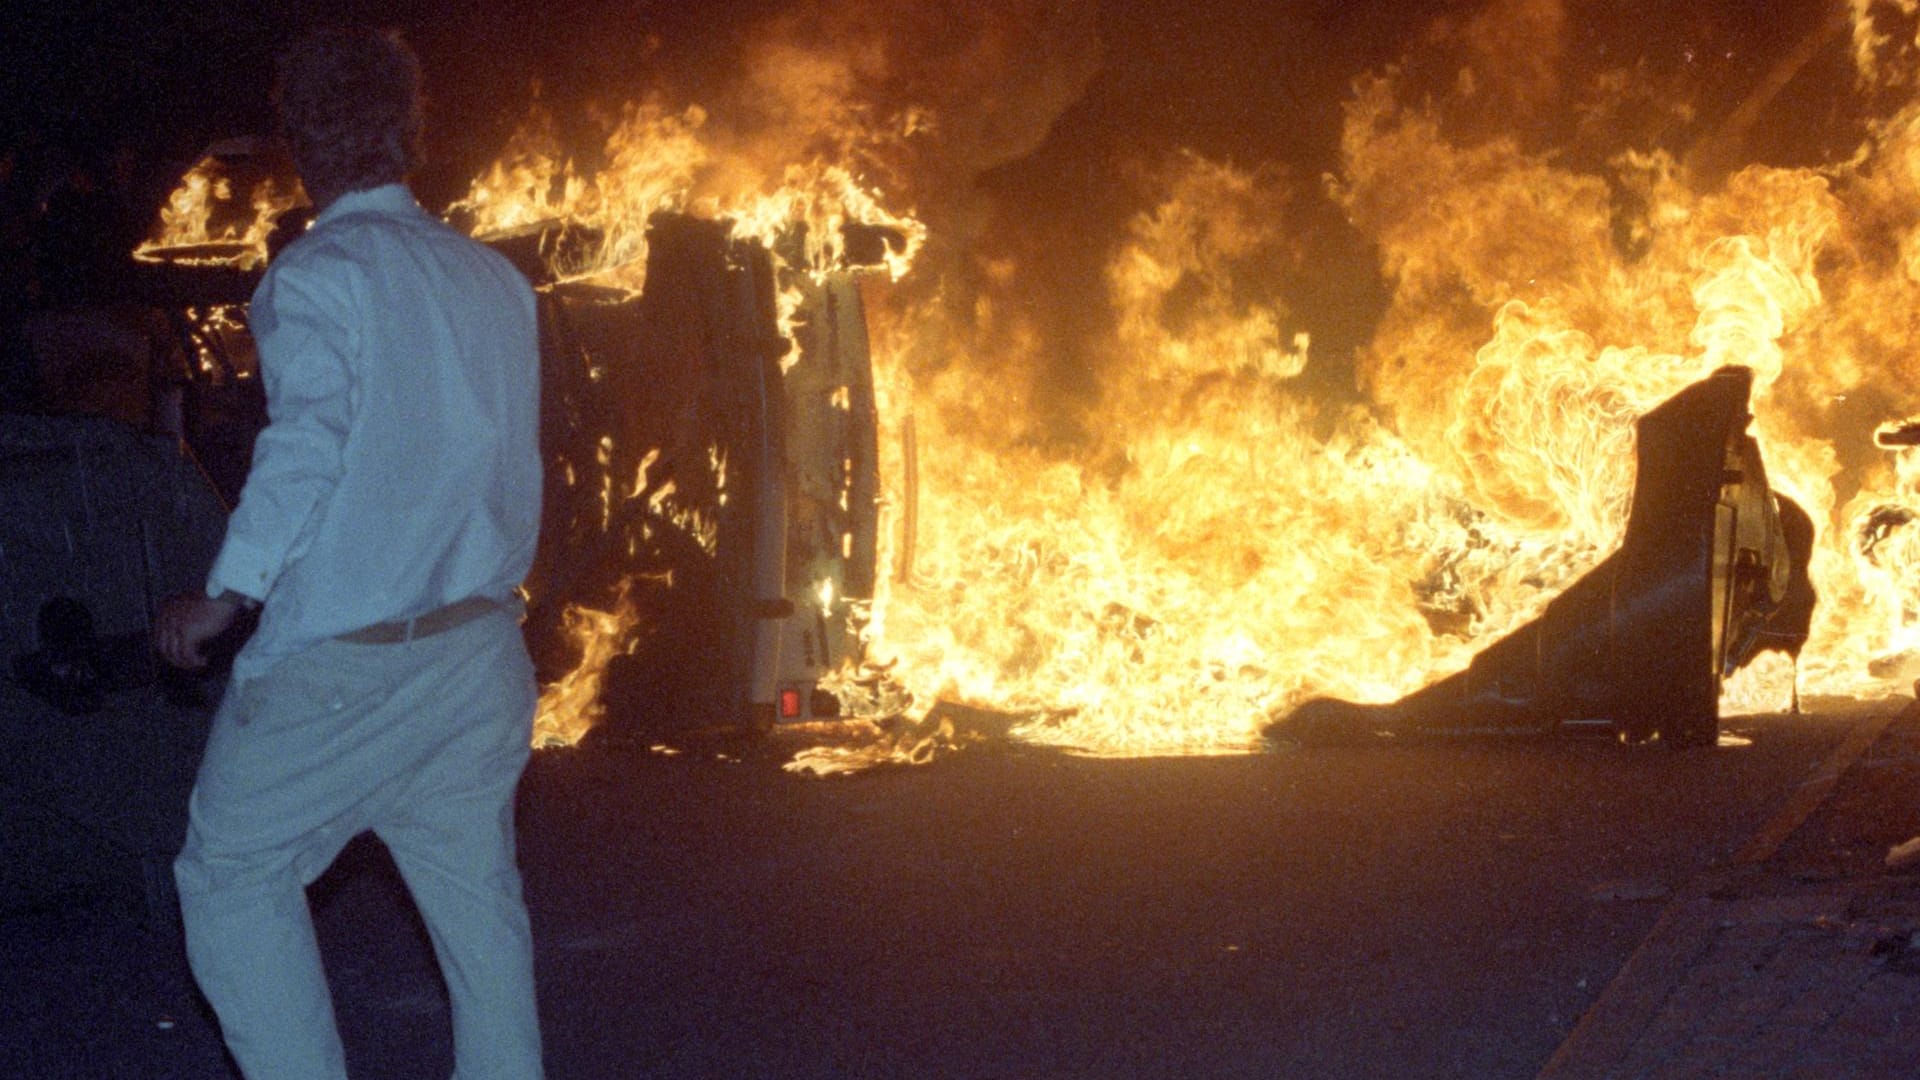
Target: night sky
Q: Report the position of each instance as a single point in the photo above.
(1259, 79)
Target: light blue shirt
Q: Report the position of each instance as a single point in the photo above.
(400, 468)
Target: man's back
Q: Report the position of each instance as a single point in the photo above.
(401, 361)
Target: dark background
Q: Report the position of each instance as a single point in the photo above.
(1257, 80)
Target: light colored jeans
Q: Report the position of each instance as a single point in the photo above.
(423, 743)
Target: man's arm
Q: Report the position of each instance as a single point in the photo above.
(306, 334)
(305, 337)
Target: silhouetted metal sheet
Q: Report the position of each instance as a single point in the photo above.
(1711, 572)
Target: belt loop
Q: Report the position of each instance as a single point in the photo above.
(407, 638)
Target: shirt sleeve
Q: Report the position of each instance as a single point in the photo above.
(302, 324)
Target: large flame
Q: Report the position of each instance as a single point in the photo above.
(1222, 545)
(1215, 541)
(1157, 564)
(659, 159)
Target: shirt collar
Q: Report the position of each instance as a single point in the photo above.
(385, 199)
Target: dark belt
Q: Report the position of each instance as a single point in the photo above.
(433, 622)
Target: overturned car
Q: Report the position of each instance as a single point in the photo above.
(710, 449)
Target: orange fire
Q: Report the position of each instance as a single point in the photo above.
(657, 160)
(1226, 543)
(1219, 537)
(206, 222)
(570, 707)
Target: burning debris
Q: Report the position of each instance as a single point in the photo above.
(226, 208)
(731, 524)
(1712, 570)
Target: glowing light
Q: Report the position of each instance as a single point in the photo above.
(204, 223)
(569, 708)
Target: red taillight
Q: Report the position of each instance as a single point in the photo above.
(789, 704)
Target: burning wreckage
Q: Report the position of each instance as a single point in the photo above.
(1712, 571)
(713, 506)
(729, 524)
(711, 503)
(734, 513)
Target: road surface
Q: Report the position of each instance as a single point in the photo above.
(1420, 910)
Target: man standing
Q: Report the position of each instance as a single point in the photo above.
(388, 518)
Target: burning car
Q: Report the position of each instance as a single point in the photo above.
(710, 512)
(729, 519)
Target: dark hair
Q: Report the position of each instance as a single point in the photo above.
(350, 106)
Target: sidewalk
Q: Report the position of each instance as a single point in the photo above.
(1799, 960)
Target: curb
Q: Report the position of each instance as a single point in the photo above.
(1601, 1041)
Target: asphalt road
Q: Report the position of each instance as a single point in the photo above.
(1427, 910)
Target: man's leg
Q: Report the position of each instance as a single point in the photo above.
(265, 820)
(251, 946)
(450, 830)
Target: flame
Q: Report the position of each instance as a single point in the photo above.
(659, 159)
(570, 707)
(653, 155)
(1222, 529)
(1226, 542)
(222, 348)
(204, 223)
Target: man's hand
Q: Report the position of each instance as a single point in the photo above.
(188, 621)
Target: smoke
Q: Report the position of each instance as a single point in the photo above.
(1510, 53)
(1031, 137)
(1886, 37)
(964, 88)
(926, 102)
(917, 100)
